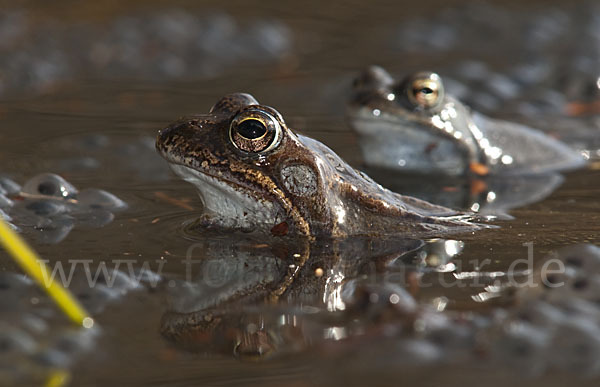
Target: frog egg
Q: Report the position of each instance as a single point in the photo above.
(521, 346)
(99, 285)
(400, 298)
(94, 299)
(452, 337)
(575, 287)
(99, 199)
(27, 217)
(78, 164)
(416, 352)
(579, 308)
(34, 324)
(571, 273)
(109, 281)
(45, 208)
(473, 70)
(456, 88)
(546, 101)
(484, 100)
(94, 218)
(587, 288)
(5, 216)
(577, 347)
(584, 258)
(502, 86)
(530, 72)
(540, 313)
(377, 299)
(49, 184)
(51, 357)
(72, 342)
(5, 202)
(94, 141)
(11, 287)
(15, 341)
(9, 186)
(146, 276)
(55, 230)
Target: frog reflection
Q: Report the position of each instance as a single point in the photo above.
(492, 196)
(251, 299)
(414, 126)
(339, 308)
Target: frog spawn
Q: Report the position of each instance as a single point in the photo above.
(564, 305)
(52, 206)
(554, 325)
(35, 339)
(522, 337)
(188, 44)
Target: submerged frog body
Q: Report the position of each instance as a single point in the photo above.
(492, 196)
(253, 173)
(414, 126)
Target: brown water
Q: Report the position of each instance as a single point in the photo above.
(41, 133)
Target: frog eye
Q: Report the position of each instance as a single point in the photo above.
(255, 131)
(425, 90)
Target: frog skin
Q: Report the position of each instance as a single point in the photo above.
(255, 174)
(413, 126)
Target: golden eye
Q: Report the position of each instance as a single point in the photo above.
(255, 131)
(425, 90)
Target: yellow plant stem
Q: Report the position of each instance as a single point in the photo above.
(36, 268)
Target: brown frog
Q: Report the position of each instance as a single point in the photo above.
(254, 174)
(413, 125)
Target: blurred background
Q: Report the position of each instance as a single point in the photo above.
(528, 61)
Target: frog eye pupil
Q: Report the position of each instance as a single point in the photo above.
(424, 95)
(254, 131)
(251, 129)
(424, 91)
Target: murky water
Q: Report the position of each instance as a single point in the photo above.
(96, 129)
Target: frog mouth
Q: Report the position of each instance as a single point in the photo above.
(233, 204)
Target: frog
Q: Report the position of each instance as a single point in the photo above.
(414, 126)
(254, 174)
